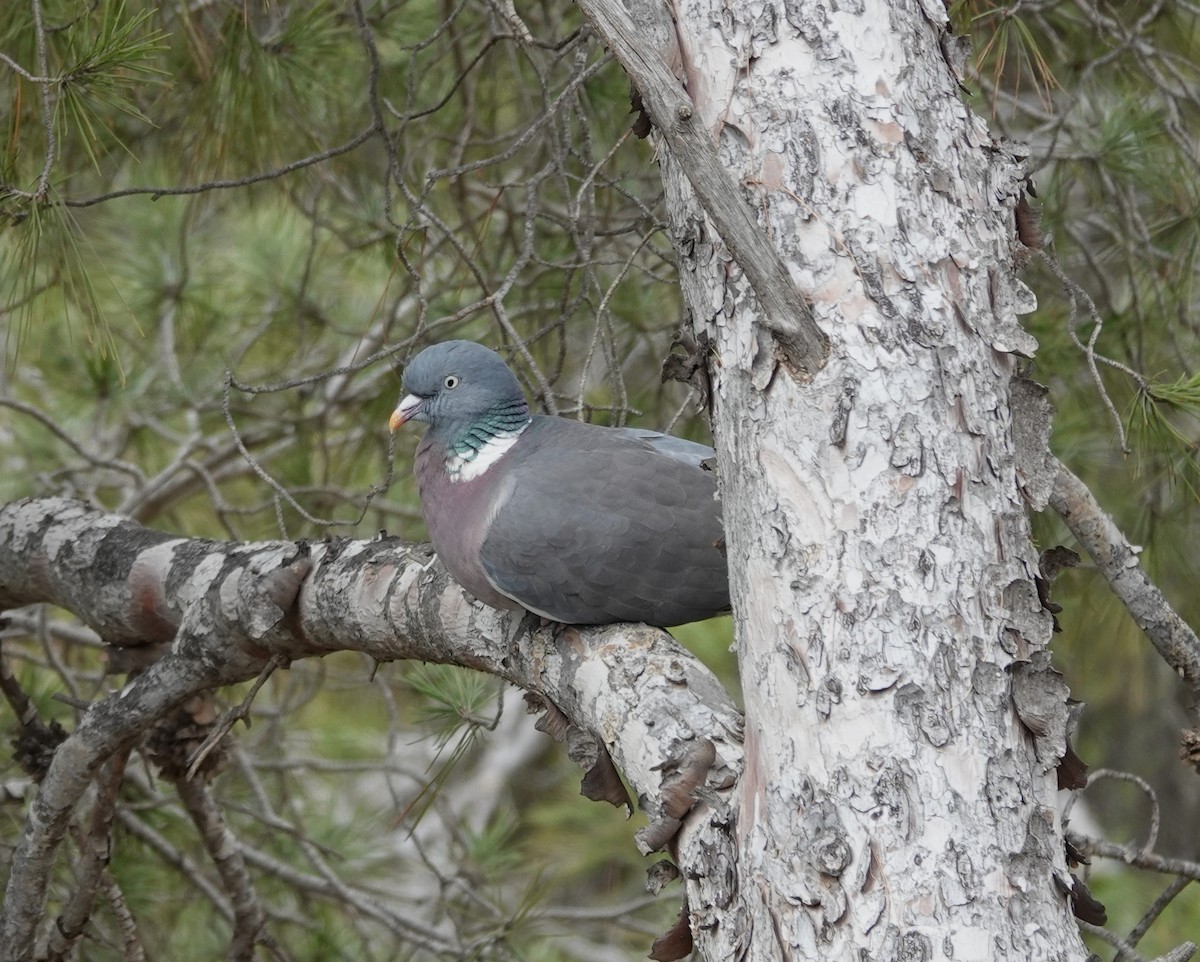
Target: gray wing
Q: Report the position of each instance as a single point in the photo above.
(605, 525)
(681, 449)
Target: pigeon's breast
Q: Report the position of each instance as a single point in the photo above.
(458, 515)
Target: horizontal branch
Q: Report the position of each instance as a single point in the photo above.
(233, 182)
(1137, 857)
(222, 611)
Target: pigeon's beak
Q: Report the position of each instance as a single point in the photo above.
(406, 410)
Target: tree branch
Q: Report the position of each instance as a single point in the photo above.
(1138, 857)
(1117, 561)
(787, 313)
(131, 942)
(228, 609)
(226, 853)
(232, 182)
(109, 726)
(94, 848)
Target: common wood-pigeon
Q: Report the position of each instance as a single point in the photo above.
(575, 522)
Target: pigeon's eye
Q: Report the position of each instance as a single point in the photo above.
(451, 381)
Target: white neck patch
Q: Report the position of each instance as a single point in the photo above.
(468, 469)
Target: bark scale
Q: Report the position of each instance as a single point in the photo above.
(893, 804)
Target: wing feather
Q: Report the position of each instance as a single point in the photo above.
(636, 540)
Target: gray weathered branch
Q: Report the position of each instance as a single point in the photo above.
(227, 609)
(1117, 560)
(226, 853)
(787, 313)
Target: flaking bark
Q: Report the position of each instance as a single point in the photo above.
(221, 612)
(892, 803)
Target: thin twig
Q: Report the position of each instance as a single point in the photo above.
(328, 886)
(1076, 292)
(1147, 789)
(230, 718)
(1165, 898)
(1139, 858)
(43, 188)
(131, 942)
(51, 425)
(282, 494)
(1112, 939)
(17, 68)
(183, 863)
(23, 708)
(156, 192)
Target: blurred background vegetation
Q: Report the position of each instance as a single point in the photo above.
(224, 226)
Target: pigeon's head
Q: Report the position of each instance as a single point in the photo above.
(456, 384)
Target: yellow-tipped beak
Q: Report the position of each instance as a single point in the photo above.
(405, 411)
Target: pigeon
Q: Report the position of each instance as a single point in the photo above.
(577, 523)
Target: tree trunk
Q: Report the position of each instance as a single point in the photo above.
(889, 629)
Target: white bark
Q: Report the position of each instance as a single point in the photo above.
(893, 805)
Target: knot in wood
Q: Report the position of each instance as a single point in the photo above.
(831, 854)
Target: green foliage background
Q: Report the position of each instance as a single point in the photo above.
(302, 194)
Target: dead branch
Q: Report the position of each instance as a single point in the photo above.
(224, 850)
(1117, 560)
(787, 314)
